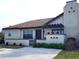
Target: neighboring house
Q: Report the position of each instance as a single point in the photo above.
(50, 30)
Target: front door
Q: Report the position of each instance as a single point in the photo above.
(71, 44)
(38, 34)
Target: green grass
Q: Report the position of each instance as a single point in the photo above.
(68, 55)
(10, 46)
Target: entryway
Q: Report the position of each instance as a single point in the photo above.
(38, 34)
(70, 44)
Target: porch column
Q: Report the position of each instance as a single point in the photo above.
(34, 34)
(21, 34)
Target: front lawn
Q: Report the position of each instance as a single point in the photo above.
(68, 55)
(10, 46)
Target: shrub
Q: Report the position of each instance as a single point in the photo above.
(1, 38)
(45, 45)
(7, 43)
(14, 43)
(20, 44)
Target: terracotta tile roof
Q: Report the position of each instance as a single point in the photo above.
(32, 24)
(29, 24)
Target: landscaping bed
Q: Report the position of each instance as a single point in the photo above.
(45, 45)
(68, 55)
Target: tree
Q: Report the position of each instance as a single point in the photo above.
(1, 38)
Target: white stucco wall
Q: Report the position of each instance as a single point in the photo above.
(47, 30)
(15, 34)
(71, 19)
(23, 42)
(53, 39)
(59, 20)
(17, 37)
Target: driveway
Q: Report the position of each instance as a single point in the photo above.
(29, 53)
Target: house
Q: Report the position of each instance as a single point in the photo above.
(50, 30)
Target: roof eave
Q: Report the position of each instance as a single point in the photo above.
(54, 18)
(36, 26)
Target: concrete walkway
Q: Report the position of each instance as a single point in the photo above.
(29, 53)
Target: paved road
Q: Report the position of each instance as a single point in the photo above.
(29, 53)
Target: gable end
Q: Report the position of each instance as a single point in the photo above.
(54, 18)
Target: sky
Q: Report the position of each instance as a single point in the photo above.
(17, 11)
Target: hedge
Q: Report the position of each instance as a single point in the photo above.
(45, 45)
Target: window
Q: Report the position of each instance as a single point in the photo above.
(68, 11)
(53, 37)
(71, 8)
(27, 34)
(48, 33)
(9, 34)
(52, 32)
(61, 32)
(57, 32)
(56, 37)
